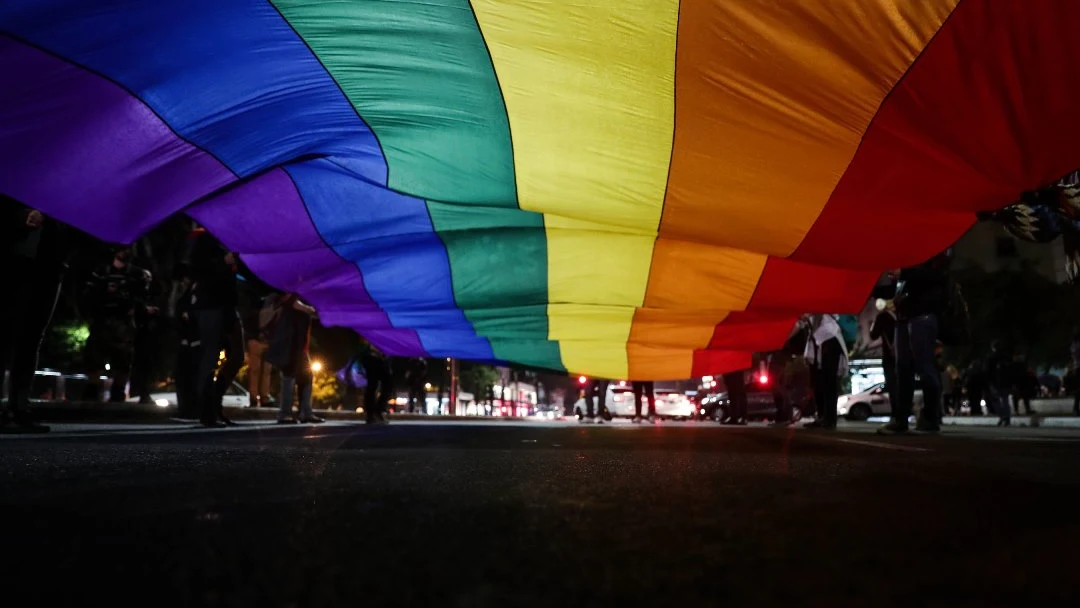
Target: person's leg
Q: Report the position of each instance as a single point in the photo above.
(233, 343)
(121, 361)
(386, 393)
(735, 383)
(741, 406)
(304, 386)
(601, 398)
(95, 353)
(209, 326)
(267, 371)
(13, 276)
(186, 397)
(783, 407)
(1000, 399)
(905, 376)
(831, 352)
(255, 372)
(371, 397)
(27, 336)
(590, 400)
(924, 332)
(285, 405)
(819, 396)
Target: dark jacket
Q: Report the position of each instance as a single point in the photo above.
(922, 290)
(49, 246)
(214, 280)
(999, 370)
(290, 339)
(117, 292)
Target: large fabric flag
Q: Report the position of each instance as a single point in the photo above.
(641, 189)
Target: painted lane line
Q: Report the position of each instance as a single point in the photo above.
(882, 445)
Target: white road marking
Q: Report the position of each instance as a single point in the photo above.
(882, 445)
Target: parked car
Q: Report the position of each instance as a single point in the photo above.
(670, 404)
(165, 395)
(874, 401)
(760, 404)
(52, 385)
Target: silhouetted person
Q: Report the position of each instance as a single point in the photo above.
(380, 383)
(1025, 385)
(114, 295)
(187, 354)
(975, 387)
(290, 344)
(921, 296)
(147, 329)
(826, 354)
(596, 401)
(1000, 382)
(884, 329)
(213, 272)
(735, 384)
(416, 377)
(34, 251)
(644, 390)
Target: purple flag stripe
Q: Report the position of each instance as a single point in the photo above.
(286, 251)
(86, 152)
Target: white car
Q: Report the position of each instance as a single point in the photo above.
(165, 396)
(874, 401)
(620, 403)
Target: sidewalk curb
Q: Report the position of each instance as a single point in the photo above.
(1067, 422)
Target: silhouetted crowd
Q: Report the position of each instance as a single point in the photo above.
(221, 313)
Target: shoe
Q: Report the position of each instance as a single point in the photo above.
(314, 420)
(894, 428)
(289, 420)
(923, 426)
(225, 421)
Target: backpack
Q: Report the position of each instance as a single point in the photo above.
(955, 321)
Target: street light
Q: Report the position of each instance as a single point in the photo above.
(316, 366)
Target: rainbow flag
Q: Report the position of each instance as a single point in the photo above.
(639, 189)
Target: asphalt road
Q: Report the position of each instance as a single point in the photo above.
(474, 515)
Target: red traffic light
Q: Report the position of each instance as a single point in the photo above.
(582, 380)
(763, 379)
